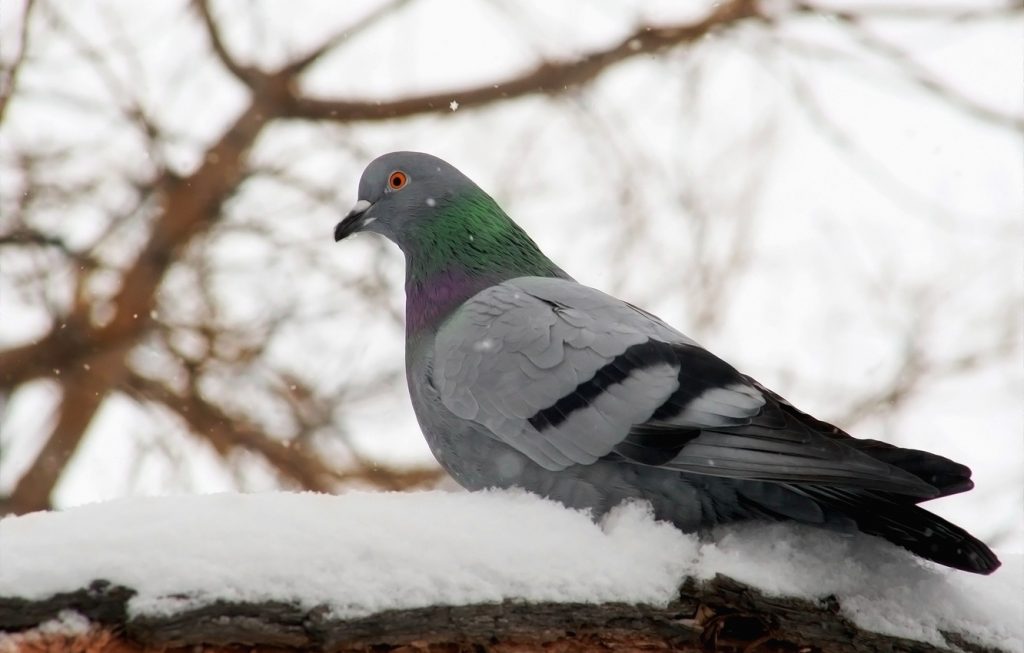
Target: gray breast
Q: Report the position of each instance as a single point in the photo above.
(477, 460)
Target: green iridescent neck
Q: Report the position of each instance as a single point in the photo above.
(472, 235)
(468, 245)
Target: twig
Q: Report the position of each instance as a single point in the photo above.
(245, 74)
(9, 78)
(547, 78)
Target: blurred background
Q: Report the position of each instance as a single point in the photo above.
(828, 195)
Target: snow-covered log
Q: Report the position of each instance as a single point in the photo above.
(450, 572)
(720, 615)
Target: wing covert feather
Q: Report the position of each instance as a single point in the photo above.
(515, 349)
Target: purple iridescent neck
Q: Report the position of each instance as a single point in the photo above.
(428, 301)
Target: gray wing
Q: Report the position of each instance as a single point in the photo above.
(568, 375)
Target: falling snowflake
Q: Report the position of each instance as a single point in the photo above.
(487, 344)
(453, 105)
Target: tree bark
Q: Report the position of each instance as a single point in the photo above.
(720, 615)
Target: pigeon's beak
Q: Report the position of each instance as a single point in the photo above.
(354, 221)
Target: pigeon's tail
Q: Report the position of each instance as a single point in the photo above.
(901, 522)
(947, 476)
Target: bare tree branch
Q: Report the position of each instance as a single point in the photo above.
(923, 78)
(248, 75)
(301, 64)
(915, 370)
(934, 11)
(860, 160)
(77, 408)
(547, 78)
(9, 74)
(293, 460)
(191, 201)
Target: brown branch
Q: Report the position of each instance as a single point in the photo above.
(923, 78)
(24, 236)
(547, 78)
(874, 171)
(230, 433)
(298, 66)
(117, 87)
(718, 615)
(227, 433)
(915, 370)
(10, 73)
(190, 205)
(82, 396)
(932, 11)
(245, 74)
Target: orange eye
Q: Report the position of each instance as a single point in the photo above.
(397, 180)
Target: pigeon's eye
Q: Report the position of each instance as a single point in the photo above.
(397, 180)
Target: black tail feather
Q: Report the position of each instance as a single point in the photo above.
(909, 526)
(947, 476)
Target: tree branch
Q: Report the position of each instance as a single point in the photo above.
(295, 462)
(245, 74)
(924, 79)
(299, 66)
(718, 615)
(931, 11)
(190, 205)
(10, 73)
(548, 78)
(77, 408)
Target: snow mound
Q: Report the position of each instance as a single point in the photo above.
(361, 553)
(880, 587)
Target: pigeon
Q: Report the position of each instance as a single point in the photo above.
(521, 377)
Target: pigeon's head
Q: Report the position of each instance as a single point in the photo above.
(401, 191)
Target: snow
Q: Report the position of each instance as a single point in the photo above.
(880, 587)
(361, 553)
(67, 623)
